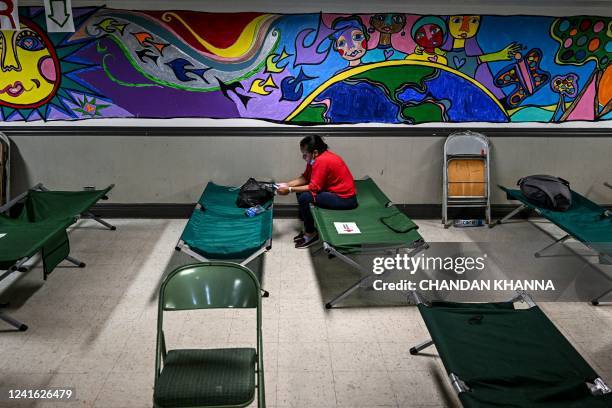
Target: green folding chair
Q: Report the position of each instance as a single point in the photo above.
(208, 377)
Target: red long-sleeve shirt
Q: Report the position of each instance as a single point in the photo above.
(330, 173)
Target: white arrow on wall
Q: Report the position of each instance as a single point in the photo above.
(59, 16)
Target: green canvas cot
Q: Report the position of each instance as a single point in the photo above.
(20, 240)
(382, 226)
(220, 230)
(37, 222)
(585, 220)
(497, 355)
(40, 203)
(45, 204)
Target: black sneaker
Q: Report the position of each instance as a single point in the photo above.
(302, 244)
(298, 236)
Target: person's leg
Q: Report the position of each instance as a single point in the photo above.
(331, 201)
(297, 197)
(301, 233)
(304, 201)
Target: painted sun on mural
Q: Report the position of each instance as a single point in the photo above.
(307, 68)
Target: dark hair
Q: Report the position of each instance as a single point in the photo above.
(313, 142)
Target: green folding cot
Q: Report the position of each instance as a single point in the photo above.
(58, 204)
(382, 227)
(36, 222)
(219, 230)
(21, 239)
(497, 355)
(586, 221)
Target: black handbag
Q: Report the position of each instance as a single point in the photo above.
(254, 193)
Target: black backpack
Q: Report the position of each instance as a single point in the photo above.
(254, 193)
(546, 191)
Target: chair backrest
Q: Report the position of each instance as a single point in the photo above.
(210, 285)
(466, 143)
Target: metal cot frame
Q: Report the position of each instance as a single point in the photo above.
(598, 388)
(331, 251)
(20, 265)
(181, 246)
(604, 258)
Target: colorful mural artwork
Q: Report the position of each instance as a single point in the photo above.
(307, 68)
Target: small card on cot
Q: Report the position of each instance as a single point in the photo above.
(347, 228)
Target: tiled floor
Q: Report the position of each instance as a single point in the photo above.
(93, 329)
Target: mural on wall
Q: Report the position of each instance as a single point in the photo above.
(307, 68)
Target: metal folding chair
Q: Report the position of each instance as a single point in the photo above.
(469, 150)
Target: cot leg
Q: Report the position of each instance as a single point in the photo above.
(13, 322)
(332, 252)
(75, 262)
(507, 217)
(595, 302)
(605, 259)
(316, 251)
(101, 221)
(347, 292)
(415, 350)
(19, 266)
(560, 240)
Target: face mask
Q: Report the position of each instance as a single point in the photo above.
(309, 161)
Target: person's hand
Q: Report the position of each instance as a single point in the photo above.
(282, 191)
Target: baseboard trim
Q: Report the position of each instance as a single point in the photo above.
(416, 211)
(152, 210)
(170, 210)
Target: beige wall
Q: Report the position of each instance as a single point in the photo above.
(174, 169)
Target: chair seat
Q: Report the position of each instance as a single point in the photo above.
(212, 377)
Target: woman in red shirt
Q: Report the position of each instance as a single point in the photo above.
(327, 182)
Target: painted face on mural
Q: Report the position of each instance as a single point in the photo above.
(351, 44)
(463, 26)
(388, 23)
(29, 68)
(429, 36)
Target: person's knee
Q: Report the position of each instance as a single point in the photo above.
(305, 198)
